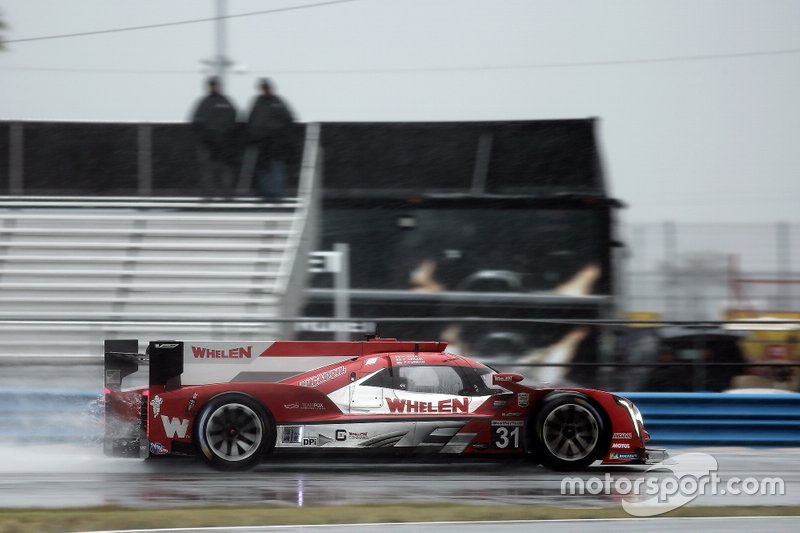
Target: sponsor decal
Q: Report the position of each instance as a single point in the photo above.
(341, 434)
(442, 406)
(113, 377)
(508, 423)
(623, 455)
(409, 359)
(357, 435)
(175, 426)
(291, 434)
(310, 441)
(156, 448)
(241, 352)
(371, 361)
(622, 436)
(523, 398)
(499, 404)
(620, 446)
(513, 413)
(192, 401)
(323, 377)
(167, 346)
(155, 403)
(308, 406)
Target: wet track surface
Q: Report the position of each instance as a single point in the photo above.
(37, 475)
(715, 525)
(64, 476)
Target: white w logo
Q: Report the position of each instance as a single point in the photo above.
(173, 426)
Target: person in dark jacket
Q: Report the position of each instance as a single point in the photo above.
(214, 126)
(269, 136)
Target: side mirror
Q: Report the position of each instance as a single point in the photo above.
(499, 379)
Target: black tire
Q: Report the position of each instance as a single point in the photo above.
(568, 432)
(233, 431)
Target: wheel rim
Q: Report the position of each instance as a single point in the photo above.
(570, 432)
(234, 432)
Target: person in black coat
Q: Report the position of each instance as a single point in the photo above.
(214, 126)
(269, 133)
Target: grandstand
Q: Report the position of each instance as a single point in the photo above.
(103, 236)
(77, 270)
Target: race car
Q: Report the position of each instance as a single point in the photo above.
(234, 404)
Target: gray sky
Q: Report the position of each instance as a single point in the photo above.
(691, 140)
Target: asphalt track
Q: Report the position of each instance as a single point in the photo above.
(71, 476)
(712, 524)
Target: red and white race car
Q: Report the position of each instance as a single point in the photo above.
(236, 403)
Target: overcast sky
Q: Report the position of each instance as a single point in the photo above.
(697, 139)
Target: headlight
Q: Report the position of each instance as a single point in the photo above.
(635, 414)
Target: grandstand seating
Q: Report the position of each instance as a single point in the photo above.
(75, 271)
(146, 265)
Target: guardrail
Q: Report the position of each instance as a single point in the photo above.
(672, 419)
(720, 419)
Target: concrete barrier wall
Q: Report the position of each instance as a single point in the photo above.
(720, 419)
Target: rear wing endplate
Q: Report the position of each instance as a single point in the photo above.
(122, 359)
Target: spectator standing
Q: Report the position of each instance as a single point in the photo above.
(269, 142)
(214, 126)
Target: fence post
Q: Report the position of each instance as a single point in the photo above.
(784, 292)
(341, 281)
(16, 146)
(481, 169)
(144, 154)
(671, 261)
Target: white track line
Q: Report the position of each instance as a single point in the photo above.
(452, 522)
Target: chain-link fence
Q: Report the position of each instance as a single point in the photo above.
(698, 271)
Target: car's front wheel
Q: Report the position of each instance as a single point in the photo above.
(233, 431)
(568, 432)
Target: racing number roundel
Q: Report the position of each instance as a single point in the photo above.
(507, 436)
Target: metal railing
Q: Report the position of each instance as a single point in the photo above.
(90, 265)
(293, 271)
(601, 357)
(108, 158)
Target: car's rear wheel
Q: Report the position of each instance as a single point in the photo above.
(568, 432)
(233, 431)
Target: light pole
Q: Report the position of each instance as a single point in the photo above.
(219, 63)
